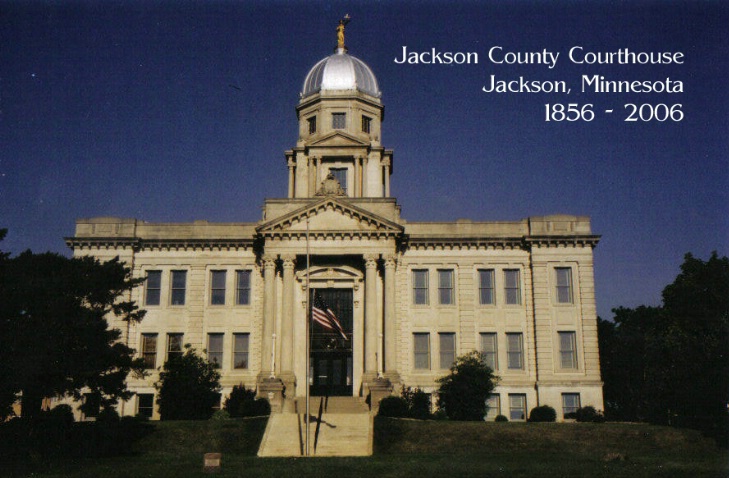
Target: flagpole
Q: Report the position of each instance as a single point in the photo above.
(308, 338)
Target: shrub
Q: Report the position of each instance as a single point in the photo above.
(439, 415)
(418, 403)
(61, 415)
(393, 407)
(220, 415)
(543, 413)
(501, 418)
(589, 414)
(188, 387)
(243, 403)
(108, 415)
(463, 392)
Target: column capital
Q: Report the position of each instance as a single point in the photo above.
(371, 260)
(269, 260)
(289, 261)
(390, 261)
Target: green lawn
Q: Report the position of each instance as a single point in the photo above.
(410, 448)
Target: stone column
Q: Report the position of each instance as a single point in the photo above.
(386, 176)
(355, 189)
(370, 322)
(312, 176)
(291, 177)
(287, 325)
(365, 189)
(269, 313)
(317, 174)
(390, 324)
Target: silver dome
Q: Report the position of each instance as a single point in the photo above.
(340, 71)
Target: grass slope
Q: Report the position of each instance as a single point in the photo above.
(410, 448)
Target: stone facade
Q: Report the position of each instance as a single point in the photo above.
(411, 295)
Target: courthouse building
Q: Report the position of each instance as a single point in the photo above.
(410, 296)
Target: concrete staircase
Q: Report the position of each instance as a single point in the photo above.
(339, 426)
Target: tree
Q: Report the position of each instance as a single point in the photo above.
(671, 362)
(188, 387)
(242, 402)
(56, 339)
(463, 392)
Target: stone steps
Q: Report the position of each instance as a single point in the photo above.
(345, 429)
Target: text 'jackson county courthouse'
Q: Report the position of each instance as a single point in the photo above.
(411, 296)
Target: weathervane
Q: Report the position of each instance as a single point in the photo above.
(340, 31)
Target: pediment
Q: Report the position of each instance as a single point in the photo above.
(330, 215)
(339, 139)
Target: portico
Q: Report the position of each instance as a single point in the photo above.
(350, 249)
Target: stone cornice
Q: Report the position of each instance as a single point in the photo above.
(139, 244)
(503, 243)
(462, 243)
(567, 240)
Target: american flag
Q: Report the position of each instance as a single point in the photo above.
(323, 315)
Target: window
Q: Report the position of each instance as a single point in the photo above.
(340, 174)
(447, 349)
(489, 350)
(217, 402)
(366, 124)
(174, 346)
(517, 406)
(217, 287)
(149, 350)
(568, 350)
(422, 351)
(512, 286)
(564, 285)
(493, 406)
(312, 124)
(153, 287)
(420, 287)
(243, 287)
(215, 349)
(240, 351)
(179, 283)
(570, 403)
(92, 405)
(514, 352)
(445, 287)
(145, 404)
(339, 120)
(486, 286)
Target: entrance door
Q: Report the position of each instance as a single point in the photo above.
(331, 354)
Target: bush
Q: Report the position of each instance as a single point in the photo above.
(501, 418)
(188, 387)
(543, 413)
(220, 415)
(393, 407)
(61, 415)
(108, 415)
(418, 403)
(463, 392)
(243, 403)
(589, 414)
(439, 415)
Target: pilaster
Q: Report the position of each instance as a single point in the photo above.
(390, 318)
(370, 313)
(287, 326)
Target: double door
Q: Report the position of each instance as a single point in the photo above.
(330, 353)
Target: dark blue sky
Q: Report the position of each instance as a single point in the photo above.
(127, 109)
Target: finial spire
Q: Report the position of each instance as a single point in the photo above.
(340, 32)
